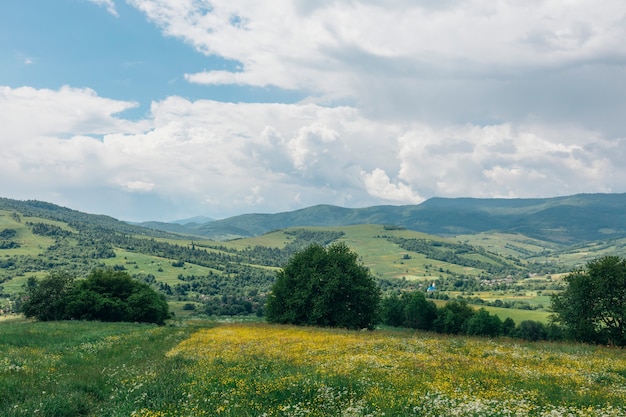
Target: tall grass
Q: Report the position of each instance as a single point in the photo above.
(199, 368)
(87, 368)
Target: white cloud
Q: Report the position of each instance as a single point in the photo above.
(378, 184)
(456, 61)
(205, 157)
(108, 4)
(506, 161)
(31, 112)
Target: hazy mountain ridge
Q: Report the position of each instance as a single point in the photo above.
(569, 220)
(565, 220)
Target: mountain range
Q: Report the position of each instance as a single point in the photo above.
(566, 220)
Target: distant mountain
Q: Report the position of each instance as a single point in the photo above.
(566, 220)
(194, 220)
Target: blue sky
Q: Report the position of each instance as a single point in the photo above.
(166, 109)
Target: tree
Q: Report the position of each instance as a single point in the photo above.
(453, 317)
(593, 305)
(420, 313)
(482, 323)
(392, 311)
(46, 299)
(324, 287)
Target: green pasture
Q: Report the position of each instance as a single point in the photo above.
(66, 369)
(30, 244)
(578, 256)
(507, 244)
(161, 268)
(388, 260)
(516, 314)
(276, 239)
(519, 315)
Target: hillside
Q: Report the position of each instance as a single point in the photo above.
(564, 220)
(232, 277)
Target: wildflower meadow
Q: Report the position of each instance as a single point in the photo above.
(204, 368)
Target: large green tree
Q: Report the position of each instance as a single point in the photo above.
(593, 305)
(324, 287)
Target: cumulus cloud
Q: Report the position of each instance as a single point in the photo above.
(506, 161)
(218, 158)
(378, 184)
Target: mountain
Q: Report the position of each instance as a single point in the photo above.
(566, 220)
(194, 220)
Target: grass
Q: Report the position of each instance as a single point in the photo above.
(31, 244)
(202, 368)
(79, 368)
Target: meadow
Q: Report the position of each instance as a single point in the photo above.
(208, 368)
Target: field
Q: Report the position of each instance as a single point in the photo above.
(206, 368)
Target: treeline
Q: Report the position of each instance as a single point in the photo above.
(413, 310)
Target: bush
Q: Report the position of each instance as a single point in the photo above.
(46, 299)
(392, 311)
(106, 295)
(412, 310)
(531, 330)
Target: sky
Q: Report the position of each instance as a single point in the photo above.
(169, 109)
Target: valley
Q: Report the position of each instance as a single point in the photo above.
(510, 274)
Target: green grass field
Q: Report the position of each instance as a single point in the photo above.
(206, 368)
(161, 268)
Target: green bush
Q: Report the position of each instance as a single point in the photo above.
(106, 295)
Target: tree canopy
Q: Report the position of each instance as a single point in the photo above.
(324, 287)
(593, 305)
(105, 295)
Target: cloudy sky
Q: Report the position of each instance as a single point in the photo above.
(167, 109)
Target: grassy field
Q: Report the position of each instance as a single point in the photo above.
(161, 268)
(205, 368)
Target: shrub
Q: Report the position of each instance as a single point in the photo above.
(106, 295)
